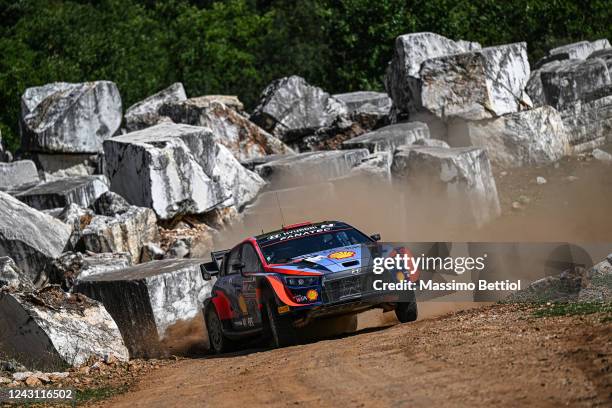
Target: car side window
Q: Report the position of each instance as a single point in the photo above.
(233, 258)
(252, 263)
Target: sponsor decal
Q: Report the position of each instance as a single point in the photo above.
(300, 232)
(243, 306)
(283, 309)
(341, 255)
(312, 295)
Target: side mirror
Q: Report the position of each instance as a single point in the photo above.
(207, 274)
(375, 237)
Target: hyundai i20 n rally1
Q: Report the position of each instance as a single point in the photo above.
(274, 283)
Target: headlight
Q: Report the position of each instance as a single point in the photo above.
(302, 280)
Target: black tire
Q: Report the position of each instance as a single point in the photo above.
(217, 340)
(406, 312)
(280, 328)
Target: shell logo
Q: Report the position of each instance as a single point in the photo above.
(341, 255)
(312, 295)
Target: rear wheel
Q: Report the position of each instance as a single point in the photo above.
(218, 342)
(406, 312)
(280, 328)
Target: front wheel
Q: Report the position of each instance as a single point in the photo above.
(218, 342)
(406, 312)
(280, 328)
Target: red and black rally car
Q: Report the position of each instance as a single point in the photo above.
(276, 282)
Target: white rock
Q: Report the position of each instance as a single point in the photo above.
(47, 329)
(32, 239)
(602, 155)
(18, 173)
(69, 118)
(154, 304)
(82, 191)
(390, 137)
(126, 232)
(146, 112)
(531, 137)
(311, 167)
(477, 85)
(245, 139)
(177, 169)
(541, 180)
(291, 108)
(453, 185)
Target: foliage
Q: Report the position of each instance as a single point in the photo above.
(571, 309)
(239, 46)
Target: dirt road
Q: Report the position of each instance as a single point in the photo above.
(492, 356)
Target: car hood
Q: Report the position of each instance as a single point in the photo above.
(327, 261)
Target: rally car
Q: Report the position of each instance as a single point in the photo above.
(274, 283)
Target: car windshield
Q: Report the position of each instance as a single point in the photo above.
(284, 251)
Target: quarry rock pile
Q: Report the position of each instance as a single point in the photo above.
(106, 216)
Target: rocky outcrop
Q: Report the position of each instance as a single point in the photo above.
(449, 80)
(146, 113)
(177, 169)
(290, 108)
(376, 165)
(82, 191)
(582, 92)
(388, 138)
(434, 177)
(71, 266)
(32, 239)
(312, 167)
(477, 85)
(411, 50)
(69, 118)
(126, 232)
(573, 81)
(532, 137)
(48, 328)
(588, 123)
(18, 173)
(579, 50)
(369, 109)
(233, 130)
(155, 304)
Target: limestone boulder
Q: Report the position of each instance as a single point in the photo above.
(291, 108)
(532, 137)
(69, 118)
(157, 305)
(18, 173)
(403, 74)
(82, 191)
(311, 167)
(390, 137)
(32, 239)
(453, 185)
(177, 169)
(146, 113)
(126, 232)
(242, 137)
(48, 328)
(475, 85)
